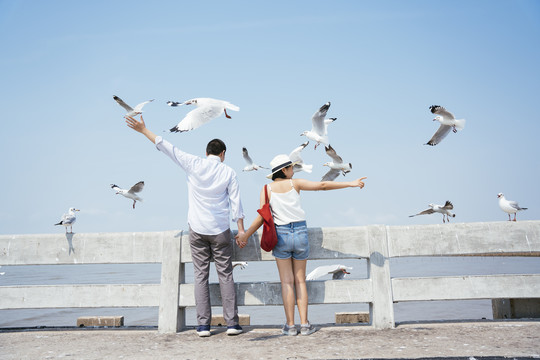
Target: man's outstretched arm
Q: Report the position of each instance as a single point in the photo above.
(140, 126)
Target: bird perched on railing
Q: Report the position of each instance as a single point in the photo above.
(68, 220)
(509, 206)
(241, 264)
(338, 272)
(441, 209)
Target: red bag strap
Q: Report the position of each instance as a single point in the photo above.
(266, 193)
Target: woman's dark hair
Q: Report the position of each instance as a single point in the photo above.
(215, 147)
(279, 175)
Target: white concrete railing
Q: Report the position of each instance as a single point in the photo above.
(376, 243)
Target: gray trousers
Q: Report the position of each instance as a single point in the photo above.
(220, 248)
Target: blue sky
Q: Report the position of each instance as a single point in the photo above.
(381, 65)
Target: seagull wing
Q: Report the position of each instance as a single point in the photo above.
(317, 120)
(439, 110)
(122, 103)
(295, 154)
(439, 135)
(332, 153)
(197, 117)
(425, 212)
(330, 175)
(139, 107)
(448, 205)
(137, 187)
(324, 270)
(246, 156)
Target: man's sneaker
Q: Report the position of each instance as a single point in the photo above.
(203, 330)
(307, 329)
(234, 330)
(289, 330)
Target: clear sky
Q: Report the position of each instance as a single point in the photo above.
(380, 63)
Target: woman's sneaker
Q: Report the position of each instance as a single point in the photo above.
(307, 329)
(289, 330)
(203, 330)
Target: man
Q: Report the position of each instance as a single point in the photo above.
(213, 192)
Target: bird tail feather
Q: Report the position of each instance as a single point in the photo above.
(60, 223)
(460, 124)
(307, 168)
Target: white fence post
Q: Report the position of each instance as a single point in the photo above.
(171, 317)
(381, 309)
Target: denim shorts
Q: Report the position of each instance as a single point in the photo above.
(292, 241)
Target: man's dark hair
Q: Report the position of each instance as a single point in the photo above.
(215, 147)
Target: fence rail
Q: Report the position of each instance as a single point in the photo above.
(376, 243)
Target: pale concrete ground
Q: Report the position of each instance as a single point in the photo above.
(463, 339)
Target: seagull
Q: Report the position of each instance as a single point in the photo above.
(509, 206)
(250, 164)
(338, 272)
(131, 193)
(434, 208)
(241, 264)
(295, 158)
(336, 166)
(130, 111)
(447, 121)
(318, 132)
(207, 109)
(68, 219)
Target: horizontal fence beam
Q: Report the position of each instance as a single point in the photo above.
(92, 248)
(489, 238)
(269, 293)
(466, 287)
(78, 296)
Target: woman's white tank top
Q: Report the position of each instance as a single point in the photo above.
(286, 206)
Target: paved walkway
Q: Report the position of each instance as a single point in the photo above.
(499, 339)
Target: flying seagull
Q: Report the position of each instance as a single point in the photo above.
(434, 208)
(337, 271)
(448, 122)
(250, 164)
(336, 166)
(207, 109)
(68, 219)
(131, 193)
(319, 126)
(131, 111)
(509, 206)
(296, 158)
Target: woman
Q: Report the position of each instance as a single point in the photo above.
(292, 249)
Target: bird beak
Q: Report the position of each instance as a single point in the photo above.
(434, 119)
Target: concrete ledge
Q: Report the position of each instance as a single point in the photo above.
(218, 320)
(113, 321)
(352, 317)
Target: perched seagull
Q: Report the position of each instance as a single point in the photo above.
(447, 121)
(250, 164)
(509, 206)
(130, 111)
(336, 166)
(319, 126)
(296, 158)
(242, 264)
(131, 193)
(68, 219)
(207, 109)
(337, 271)
(434, 208)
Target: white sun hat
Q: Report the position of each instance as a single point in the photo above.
(279, 162)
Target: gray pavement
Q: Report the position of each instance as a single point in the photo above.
(463, 340)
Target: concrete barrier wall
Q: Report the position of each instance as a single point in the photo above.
(376, 243)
